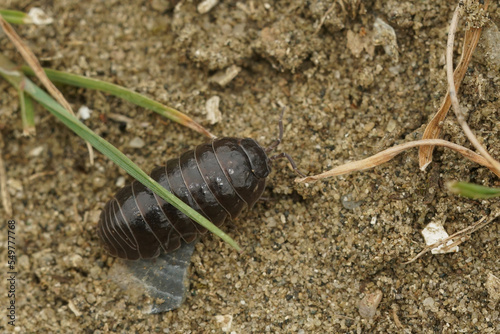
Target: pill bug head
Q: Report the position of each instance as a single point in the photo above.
(257, 156)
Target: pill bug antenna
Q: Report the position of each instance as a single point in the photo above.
(275, 144)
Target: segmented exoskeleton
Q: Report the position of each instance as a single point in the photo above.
(217, 179)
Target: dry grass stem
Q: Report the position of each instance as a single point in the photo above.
(4, 193)
(41, 174)
(433, 129)
(461, 236)
(121, 118)
(395, 317)
(323, 18)
(33, 62)
(453, 94)
(390, 153)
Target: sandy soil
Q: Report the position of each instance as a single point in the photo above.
(313, 251)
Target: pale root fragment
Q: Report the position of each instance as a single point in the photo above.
(212, 108)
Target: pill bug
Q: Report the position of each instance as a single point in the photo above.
(217, 179)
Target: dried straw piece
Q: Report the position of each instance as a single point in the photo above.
(390, 153)
(32, 61)
(453, 95)
(433, 129)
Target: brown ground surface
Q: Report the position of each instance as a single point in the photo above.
(309, 256)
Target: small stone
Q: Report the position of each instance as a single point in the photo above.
(369, 126)
(162, 5)
(91, 299)
(226, 321)
(75, 260)
(36, 151)
(98, 182)
(120, 182)
(136, 143)
(385, 35)
(206, 6)
(357, 42)
(488, 51)
(493, 287)
(428, 302)
(391, 125)
(95, 271)
(222, 78)
(348, 203)
(368, 305)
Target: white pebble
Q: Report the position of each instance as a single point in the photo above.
(206, 6)
(36, 151)
(435, 232)
(136, 143)
(83, 113)
(120, 182)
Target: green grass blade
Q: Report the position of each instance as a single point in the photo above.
(15, 17)
(472, 190)
(27, 114)
(18, 80)
(124, 93)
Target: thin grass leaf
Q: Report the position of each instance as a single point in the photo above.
(27, 114)
(472, 190)
(18, 80)
(15, 17)
(124, 93)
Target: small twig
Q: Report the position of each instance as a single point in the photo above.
(453, 94)
(32, 61)
(390, 153)
(6, 201)
(463, 235)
